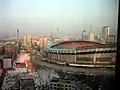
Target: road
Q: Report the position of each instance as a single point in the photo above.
(38, 61)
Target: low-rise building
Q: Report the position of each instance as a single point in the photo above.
(65, 84)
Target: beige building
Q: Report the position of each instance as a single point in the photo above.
(91, 37)
(44, 41)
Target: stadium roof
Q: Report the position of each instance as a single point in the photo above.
(49, 47)
(76, 41)
(98, 46)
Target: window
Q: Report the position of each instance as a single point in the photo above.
(87, 88)
(51, 84)
(66, 88)
(72, 86)
(58, 85)
(66, 85)
(51, 88)
(62, 85)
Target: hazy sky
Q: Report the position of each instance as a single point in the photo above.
(42, 17)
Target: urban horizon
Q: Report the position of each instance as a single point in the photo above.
(70, 18)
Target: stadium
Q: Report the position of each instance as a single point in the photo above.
(82, 54)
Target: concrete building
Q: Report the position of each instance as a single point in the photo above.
(44, 41)
(105, 32)
(25, 40)
(84, 36)
(91, 37)
(62, 84)
(27, 84)
(83, 53)
(99, 39)
(111, 39)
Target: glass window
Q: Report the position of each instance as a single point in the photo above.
(66, 85)
(66, 88)
(54, 84)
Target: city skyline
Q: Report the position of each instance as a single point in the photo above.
(41, 17)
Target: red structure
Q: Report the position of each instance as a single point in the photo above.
(75, 44)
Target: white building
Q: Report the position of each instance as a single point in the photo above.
(84, 36)
(111, 39)
(25, 40)
(105, 32)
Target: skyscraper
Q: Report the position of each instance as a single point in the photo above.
(91, 36)
(84, 36)
(105, 32)
(25, 40)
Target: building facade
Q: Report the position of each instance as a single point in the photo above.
(105, 32)
(87, 55)
(84, 36)
(111, 39)
(61, 84)
(91, 37)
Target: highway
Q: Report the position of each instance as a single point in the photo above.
(39, 61)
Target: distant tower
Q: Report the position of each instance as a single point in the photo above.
(105, 32)
(84, 36)
(25, 40)
(17, 35)
(91, 37)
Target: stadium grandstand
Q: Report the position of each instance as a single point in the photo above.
(82, 54)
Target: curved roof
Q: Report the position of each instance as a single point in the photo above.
(76, 41)
(49, 47)
(98, 46)
(74, 44)
(54, 46)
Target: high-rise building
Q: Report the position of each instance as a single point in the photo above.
(25, 40)
(105, 32)
(84, 36)
(91, 38)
